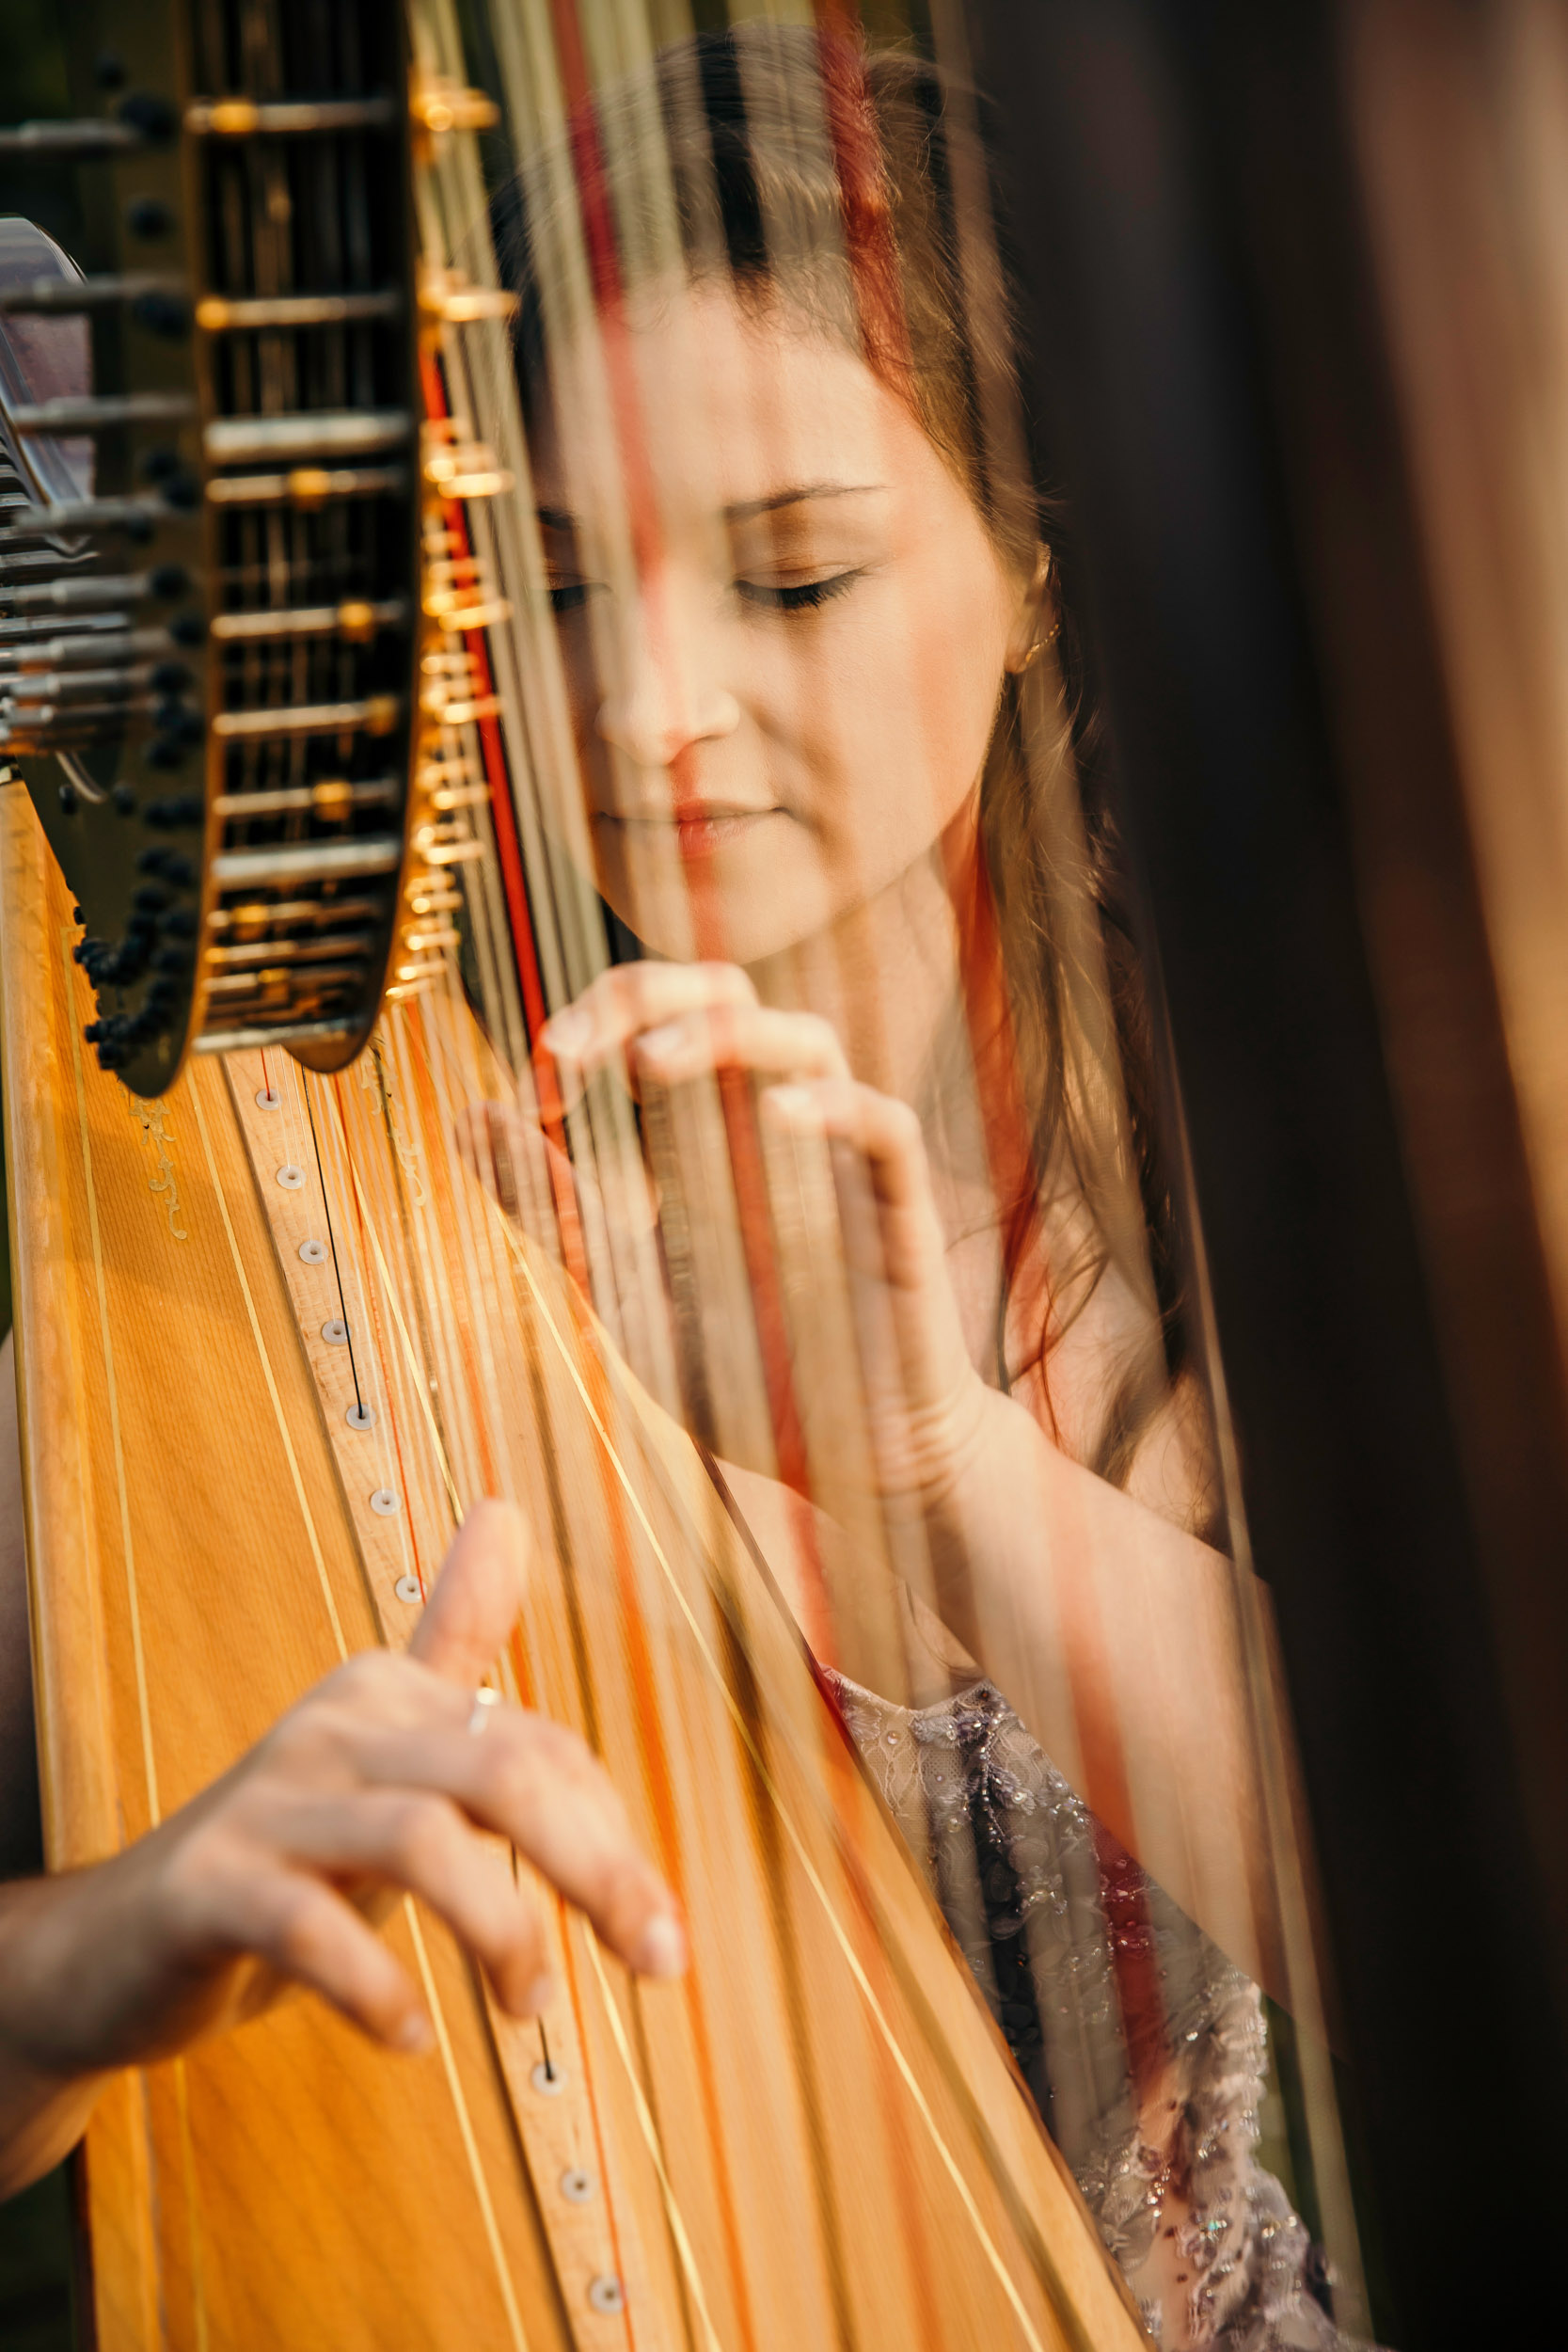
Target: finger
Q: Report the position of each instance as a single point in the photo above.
(418, 1843)
(884, 1131)
(536, 1784)
(476, 1594)
(313, 1937)
(748, 1037)
(636, 996)
(888, 1216)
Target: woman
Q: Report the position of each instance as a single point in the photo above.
(808, 618)
(806, 602)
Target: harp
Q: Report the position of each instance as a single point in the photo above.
(523, 2186)
(284, 908)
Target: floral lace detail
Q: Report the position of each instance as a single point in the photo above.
(1019, 1866)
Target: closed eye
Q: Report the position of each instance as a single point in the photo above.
(799, 596)
(570, 595)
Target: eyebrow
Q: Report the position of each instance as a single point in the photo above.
(746, 509)
(743, 510)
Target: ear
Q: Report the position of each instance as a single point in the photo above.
(1034, 624)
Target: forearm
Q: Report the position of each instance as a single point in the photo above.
(1120, 1639)
(46, 2098)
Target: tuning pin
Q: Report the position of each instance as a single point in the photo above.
(438, 105)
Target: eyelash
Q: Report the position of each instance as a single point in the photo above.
(808, 595)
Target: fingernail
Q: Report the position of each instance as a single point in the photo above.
(661, 1948)
(540, 1995)
(662, 1040)
(568, 1032)
(415, 2033)
(794, 1106)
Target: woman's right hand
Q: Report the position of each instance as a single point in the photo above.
(373, 1786)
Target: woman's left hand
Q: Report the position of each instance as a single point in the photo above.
(666, 1025)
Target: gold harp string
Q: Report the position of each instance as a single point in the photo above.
(372, 1390)
(144, 1708)
(411, 1357)
(658, 1771)
(132, 1590)
(562, 919)
(458, 1304)
(464, 2125)
(660, 1780)
(840, 1935)
(594, 1249)
(414, 1228)
(368, 1354)
(452, 1047)
(649, 2130)
(444, 1094)
(439, 1067)
(423, 1267)
(366, 1226)
(187, 2159)
(324, 1581)
(471, 2148)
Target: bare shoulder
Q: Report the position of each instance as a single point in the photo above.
(20, 1842)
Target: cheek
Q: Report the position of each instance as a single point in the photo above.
(890, 712)
(957, 645)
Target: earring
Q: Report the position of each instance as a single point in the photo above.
(1040, 644)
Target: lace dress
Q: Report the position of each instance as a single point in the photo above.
(1056, 1922)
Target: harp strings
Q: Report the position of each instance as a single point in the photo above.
(427, 1194)
(347, 1180)
(596, 1218)
(592, 1378)
(731, 1330)
(444, 1201)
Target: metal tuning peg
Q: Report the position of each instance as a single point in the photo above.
(220, 750)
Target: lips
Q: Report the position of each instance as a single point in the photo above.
(700, 833)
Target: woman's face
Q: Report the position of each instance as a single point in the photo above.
(782, 622)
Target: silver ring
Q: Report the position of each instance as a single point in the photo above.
(479, 1720)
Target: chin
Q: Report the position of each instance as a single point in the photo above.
(716, 934)
(711, 912)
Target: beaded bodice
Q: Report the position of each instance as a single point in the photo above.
(1039, 1902)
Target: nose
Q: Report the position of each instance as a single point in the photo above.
(666, 695)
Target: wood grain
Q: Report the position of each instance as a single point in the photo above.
(818, 2138)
